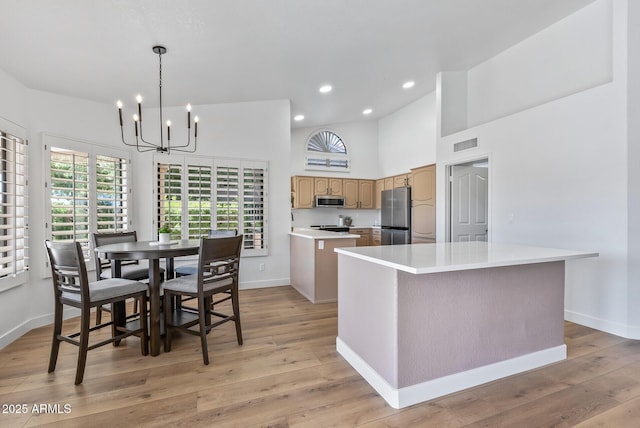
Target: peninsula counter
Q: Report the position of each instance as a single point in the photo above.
(425, 320)
(314, 264)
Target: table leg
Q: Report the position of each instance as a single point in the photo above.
(154, 303)
(118, 309)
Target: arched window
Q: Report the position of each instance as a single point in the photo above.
(326, 151)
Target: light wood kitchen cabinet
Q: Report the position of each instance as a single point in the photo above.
(388, 183)
(358, 193)
(327, 186)
(350, 192)
(366, 195)
(365, 235)
(378, 193)
(376, 236)
(302, 192)
(423, 204)
(401, 180)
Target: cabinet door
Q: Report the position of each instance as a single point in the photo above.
(388, 183)
(303, 192)
(400, 180)
(365, 236)
(423, 205)
(350, 192)
(321, 186)
(335, 186)
(365, 193)
(378, 193)
(376, 237)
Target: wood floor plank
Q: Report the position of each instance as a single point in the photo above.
(288, 374)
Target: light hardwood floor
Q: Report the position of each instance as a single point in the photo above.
(288, 373)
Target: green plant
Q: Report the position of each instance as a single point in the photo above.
(164, 229)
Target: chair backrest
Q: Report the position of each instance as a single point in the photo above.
(68, 270)
(99, 239)
(215, 233)
(219, 259)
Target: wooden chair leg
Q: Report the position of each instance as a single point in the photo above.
(144, 337)
(236, 314)
(202, 310)
(57, 331)
(167, 321)
(98, 315)
(84, 345)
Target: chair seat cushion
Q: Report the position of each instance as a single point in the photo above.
(108, 289)
(189, 284)
(135, 272)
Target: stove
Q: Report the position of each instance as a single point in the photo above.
(330, 227)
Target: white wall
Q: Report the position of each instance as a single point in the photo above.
(567, 57)
(407, 138)
(559, 171)
(361, 140)
(249, 130)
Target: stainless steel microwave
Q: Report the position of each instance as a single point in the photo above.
(329, 201)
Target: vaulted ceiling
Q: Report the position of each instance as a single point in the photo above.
(223, 51)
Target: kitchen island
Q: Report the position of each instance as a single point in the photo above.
(425, 320)
(314, 264)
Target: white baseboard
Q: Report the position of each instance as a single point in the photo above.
(28, 325)
(617, 329)
(278, 282)
(410, 395)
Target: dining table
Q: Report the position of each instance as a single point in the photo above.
(152, 251)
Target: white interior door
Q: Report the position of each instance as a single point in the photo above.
(469, 203)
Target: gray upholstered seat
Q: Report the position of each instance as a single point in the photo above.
(107, 289)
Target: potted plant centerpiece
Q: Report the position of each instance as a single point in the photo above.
(164, 234)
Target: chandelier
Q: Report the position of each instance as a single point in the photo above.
(143, 145)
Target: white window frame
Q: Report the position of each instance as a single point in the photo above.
(213, 163)
(93, 150)
(18, 278)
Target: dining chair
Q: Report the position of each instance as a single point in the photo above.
(218, 266)
(71, 287)
(130, 269)
(192, 269)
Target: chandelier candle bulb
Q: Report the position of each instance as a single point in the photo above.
(139, 100)
(119, 104)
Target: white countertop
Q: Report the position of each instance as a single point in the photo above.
(321, 234)
(447, 257)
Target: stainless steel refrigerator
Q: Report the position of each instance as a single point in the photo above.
(396, 216)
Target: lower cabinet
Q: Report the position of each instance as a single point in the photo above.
(365, 235)
(376, 236)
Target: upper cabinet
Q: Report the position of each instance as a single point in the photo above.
(423, 204)
(327, 186)
(358, 193)
(302, 192)
(378, 193)
(401, 180)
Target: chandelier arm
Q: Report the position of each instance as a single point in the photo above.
(137, 145)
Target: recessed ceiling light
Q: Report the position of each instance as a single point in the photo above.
(298, 117)
(367, 111)
(409, 84)
(324, 89)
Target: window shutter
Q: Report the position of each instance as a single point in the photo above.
(253, 197)
(112, 189)
(199, 210)
(170, 197)
(69, 191)
(13, 206)
(227, 203)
